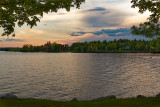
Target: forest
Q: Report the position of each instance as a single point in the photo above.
(122, 45)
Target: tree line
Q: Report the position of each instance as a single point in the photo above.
(48, 47)
(122, 45)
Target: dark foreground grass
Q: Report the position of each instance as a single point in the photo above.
(132, 102)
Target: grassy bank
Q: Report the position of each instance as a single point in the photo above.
(132, 102)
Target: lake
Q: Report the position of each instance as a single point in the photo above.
(64, 76)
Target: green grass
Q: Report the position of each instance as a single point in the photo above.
(132, 102)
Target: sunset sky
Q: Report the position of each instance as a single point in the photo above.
(95, 20)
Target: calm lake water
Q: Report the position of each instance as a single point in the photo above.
(64, 76)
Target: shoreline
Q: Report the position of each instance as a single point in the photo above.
(108, 102)
(85, 52)
(13, 96)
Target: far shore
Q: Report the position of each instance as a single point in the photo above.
(88, 52)
(116, 46)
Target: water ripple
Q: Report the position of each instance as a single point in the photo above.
(63, 76)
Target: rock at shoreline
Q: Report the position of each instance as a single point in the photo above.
(10, 95)
(158, 95)
(141, 96)
(101, 98)
(74, 99)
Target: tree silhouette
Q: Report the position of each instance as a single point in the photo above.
(150, 28)
(121, 45)
(29, 12)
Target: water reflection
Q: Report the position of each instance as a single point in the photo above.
(140, 77)
(29, 12)
(63, 76)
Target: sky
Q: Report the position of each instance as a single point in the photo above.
(95, 20)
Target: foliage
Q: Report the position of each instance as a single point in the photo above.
(150, 28)
(121, 45)
(116, 46)
(10, 49)
(48, 47)
(29, 12)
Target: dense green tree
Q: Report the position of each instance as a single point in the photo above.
(29, 12)
(117, 46)
(150, 28)
(152, 46)
(48, 47)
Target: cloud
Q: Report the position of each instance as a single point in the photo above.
(109, 32)
(15, 40)
(102, 21)
(11, 40)
(92, 37)
(102, 37)
(114, 32)
(33, 31)
(104, 34)
(101, 17)
(97, 9)
(78, 33)
(85, 37)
